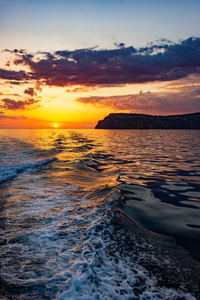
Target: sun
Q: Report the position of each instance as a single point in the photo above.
(55, 125)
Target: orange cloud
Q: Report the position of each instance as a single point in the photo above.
(30, 91)
(9, 104)
(156, 103)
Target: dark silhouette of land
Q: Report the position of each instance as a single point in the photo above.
(143, 121)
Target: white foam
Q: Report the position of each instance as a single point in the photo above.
(60, 244)
(66, 243)
(10, 171)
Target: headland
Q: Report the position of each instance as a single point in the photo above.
(143, 121)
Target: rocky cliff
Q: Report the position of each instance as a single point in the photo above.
(142, 121)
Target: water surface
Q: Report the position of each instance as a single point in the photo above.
(58, 190)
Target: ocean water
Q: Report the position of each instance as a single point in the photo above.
(60, 194)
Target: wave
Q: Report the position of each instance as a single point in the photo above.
(10, 171)
(64, 237)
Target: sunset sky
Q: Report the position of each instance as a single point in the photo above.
(72, 62)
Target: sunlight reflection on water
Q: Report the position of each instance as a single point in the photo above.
(59, 194)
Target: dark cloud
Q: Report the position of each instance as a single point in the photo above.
(15, 82)
(161, 61)
(9, 104)
(13, 75)
(30, 91)
(14, 51)
(120, 45)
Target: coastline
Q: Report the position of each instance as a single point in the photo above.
(144, 121)
(170, 263)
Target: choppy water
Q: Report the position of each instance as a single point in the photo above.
(59, 238)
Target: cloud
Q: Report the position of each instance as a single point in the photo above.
(6, 94)
(157, 62)
(13, 117)
(9, 104)
(14, 51)
(81, 89)
(15, 82)
(120, 45)
(13, 75)
(30, 91)
(156, 103)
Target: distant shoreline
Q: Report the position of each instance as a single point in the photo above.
(143, 121)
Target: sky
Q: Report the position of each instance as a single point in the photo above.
(71, 63)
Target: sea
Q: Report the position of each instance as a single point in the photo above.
(99, 214)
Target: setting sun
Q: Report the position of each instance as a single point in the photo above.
(55, 125)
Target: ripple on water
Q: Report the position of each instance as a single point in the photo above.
(59, 237)
(69, 249)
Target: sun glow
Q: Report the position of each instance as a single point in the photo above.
(55, 125)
